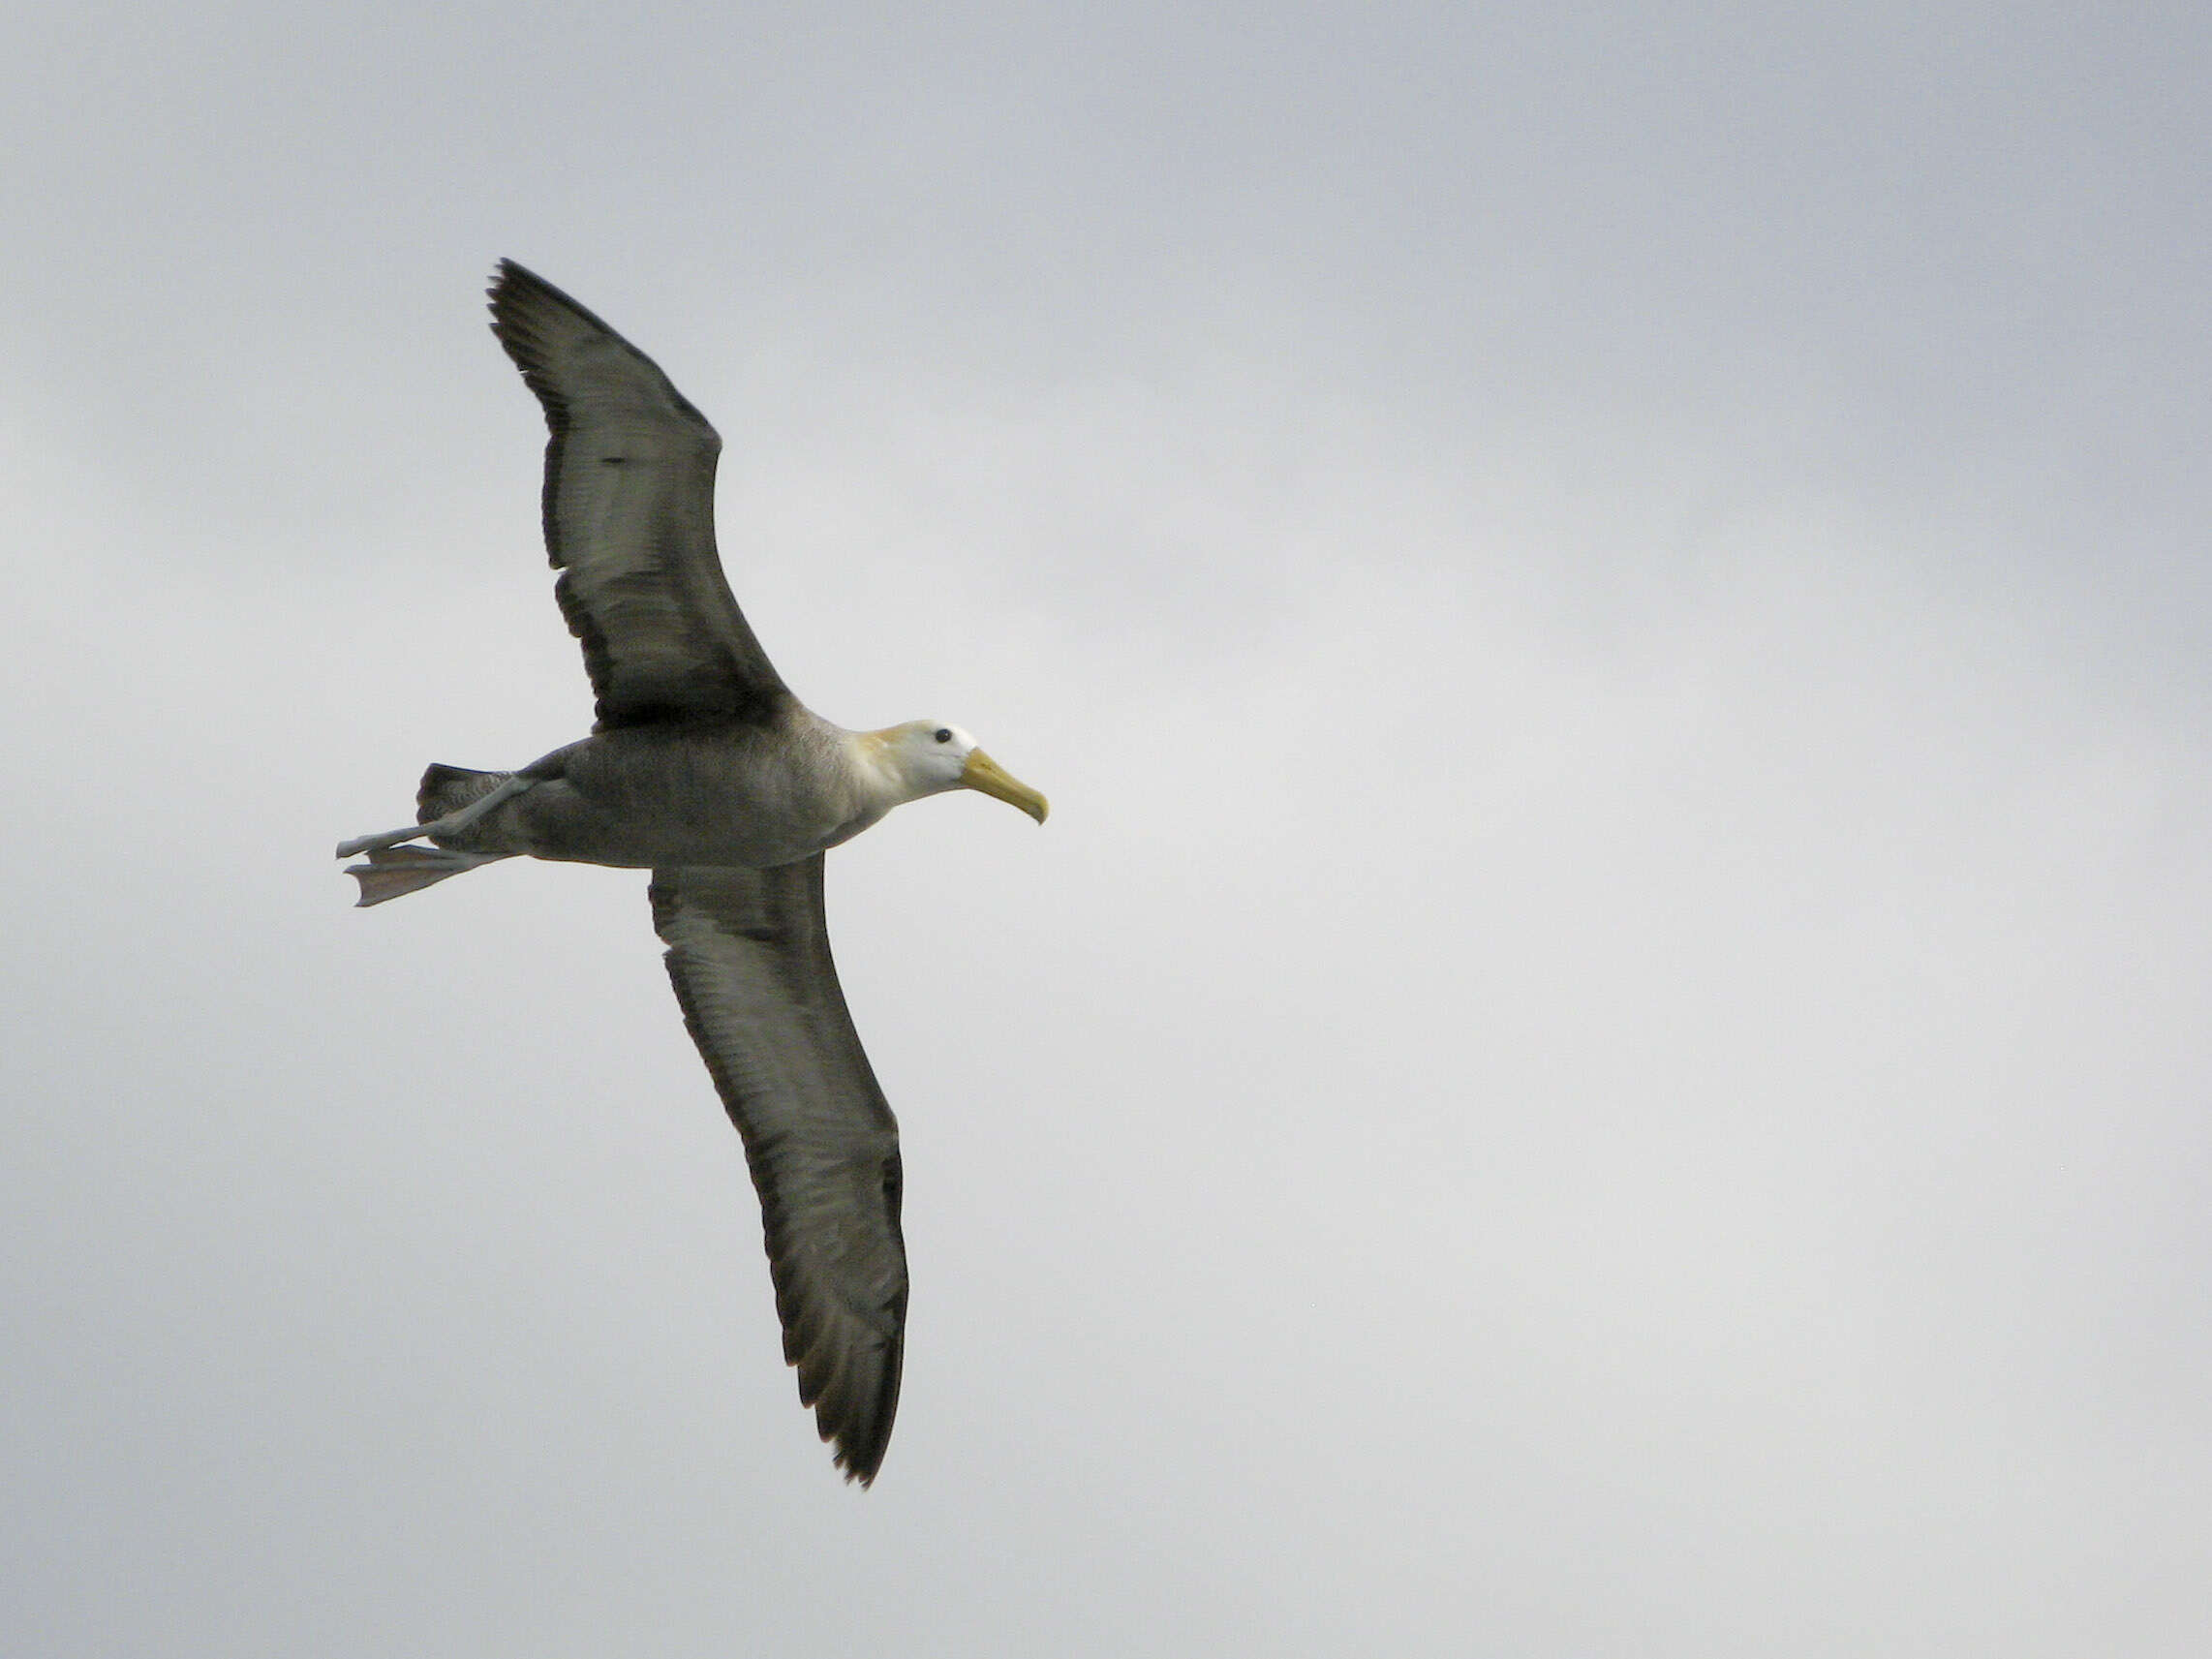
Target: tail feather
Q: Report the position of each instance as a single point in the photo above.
(449, 788)
(394, 872)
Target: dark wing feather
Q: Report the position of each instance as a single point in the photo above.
(749, 953)
(630, 519)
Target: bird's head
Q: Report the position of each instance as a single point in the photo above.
(931, 757)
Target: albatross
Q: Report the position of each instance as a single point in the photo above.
(704, 768)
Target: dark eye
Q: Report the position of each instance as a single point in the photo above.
(944, 734)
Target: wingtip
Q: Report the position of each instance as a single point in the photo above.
(510, 280)
(524, 307)
(513, 273)
(857, 1433)
(855, 1404)
(861, 1466)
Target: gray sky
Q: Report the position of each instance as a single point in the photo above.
(1604, 1053)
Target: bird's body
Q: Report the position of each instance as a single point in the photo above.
(716, 792)
(705, 769)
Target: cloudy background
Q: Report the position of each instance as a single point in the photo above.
(1606, 1052)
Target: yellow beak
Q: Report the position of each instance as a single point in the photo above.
(986, 774)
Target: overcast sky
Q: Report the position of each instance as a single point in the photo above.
(1606, 1052)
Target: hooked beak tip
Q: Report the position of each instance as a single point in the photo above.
(987, 777)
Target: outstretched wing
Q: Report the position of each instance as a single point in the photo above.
(749, 953)
(630, 519)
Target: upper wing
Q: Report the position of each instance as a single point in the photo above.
(629, 518)
(749, 953)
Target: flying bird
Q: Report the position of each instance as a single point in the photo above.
(705, 769)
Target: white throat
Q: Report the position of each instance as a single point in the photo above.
(884, 773)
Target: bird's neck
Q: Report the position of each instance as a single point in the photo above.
(877, 764)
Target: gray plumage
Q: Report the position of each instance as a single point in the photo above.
(704, 768)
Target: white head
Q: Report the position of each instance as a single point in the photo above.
(928, 758)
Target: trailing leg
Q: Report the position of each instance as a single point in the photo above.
(453, 823)
(394, 872)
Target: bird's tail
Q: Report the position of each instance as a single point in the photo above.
(448, 789)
